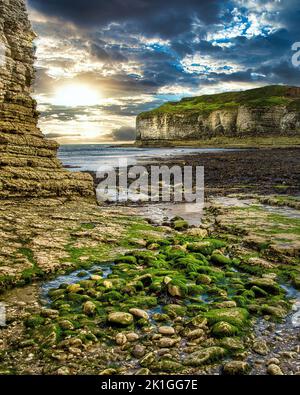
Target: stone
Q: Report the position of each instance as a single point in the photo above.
(63, 371)
(227, 304)
(66, 325)
(224, 329)
(234, 316)
(139, 351)
(148, 360)
(74, 288)
(143, 372)
(260, 347)
(96, 277)
(234, 368)
(121, 339)
(203, 279)
(120, 318)
(132, 337)
(274, 361)
(197, 232)
(108, 284)
(108, 372)
(195, 334)
(49, 313)
(205, 355)
(267, 284)
(174, 290)
(139, 313)
(274, 370)
(89, 308)
(166, 330)
(166, 365)
(231, 343)
(167, 342)
(199, 321)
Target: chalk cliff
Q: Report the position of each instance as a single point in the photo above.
(269, 112)
(28, 163)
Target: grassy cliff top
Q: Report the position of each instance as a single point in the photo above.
(268, 96)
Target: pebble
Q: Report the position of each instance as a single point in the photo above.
(75, 351)
(132, 337)
(274, 370)
(120, 339)
(139, 351)
(166, 342)
(139, 313)
(274, 361)
(261, 347)
(236, 368)
(166, 330)
(63, 371)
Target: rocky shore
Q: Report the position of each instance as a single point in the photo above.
(215, 299)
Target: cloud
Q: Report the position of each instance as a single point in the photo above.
(138, 54)
(60, 135)
(153, 16)
(125, 133)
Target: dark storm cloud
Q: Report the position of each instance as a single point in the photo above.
(125, 133)
(163, 17)
(146, 48)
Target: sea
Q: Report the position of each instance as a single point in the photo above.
(92, 157)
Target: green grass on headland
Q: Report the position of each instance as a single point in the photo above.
(269, 96)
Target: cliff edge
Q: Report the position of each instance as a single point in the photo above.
(271, 113)
(28, 163)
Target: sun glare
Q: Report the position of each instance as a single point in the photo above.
(76, 95)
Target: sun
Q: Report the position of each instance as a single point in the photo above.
(76, 95)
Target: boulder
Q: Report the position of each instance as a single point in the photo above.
(120, 318)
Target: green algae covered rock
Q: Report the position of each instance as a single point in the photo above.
(206, 247)
(266, 284)
(126, 259)
(180, 225)
(204, 356)
(234, 316)
(174, 310)
(166, 365)
(224, 329)
(220, 259)
(120, 318)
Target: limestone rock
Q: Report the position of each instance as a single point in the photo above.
(28, 163)
(249, 114)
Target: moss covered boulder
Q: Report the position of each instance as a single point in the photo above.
(224, 329)
(205, 356)
(120, 318)
(237, 317)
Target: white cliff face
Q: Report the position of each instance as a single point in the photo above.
(238, 122)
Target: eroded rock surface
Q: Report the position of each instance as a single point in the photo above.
(254, 115)
(28, 162)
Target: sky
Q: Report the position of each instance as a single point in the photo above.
(100, 63)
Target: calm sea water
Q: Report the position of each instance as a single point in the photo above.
(94, 156)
